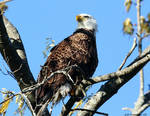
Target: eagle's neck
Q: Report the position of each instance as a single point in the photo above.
(86, 31)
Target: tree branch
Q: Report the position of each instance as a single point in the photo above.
(143, 100)
(80, 109)
(112, 86)
(141, 104)
(12, 50)
(116, 80)
(15, 39)
(130, 52)
(140, 45)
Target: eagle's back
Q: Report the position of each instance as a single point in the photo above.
(78, 49)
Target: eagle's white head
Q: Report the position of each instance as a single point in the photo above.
(86, 21)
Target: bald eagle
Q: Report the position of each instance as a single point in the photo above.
(78, 49)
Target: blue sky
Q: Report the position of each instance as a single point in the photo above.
(38, 19)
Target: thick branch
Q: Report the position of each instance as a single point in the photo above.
(112, 86)
(15, 39)
(117, 80)
(8, 48)
(12, 50)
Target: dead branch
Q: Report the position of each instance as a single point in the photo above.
(62, 71)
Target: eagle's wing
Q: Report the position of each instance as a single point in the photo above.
(79, 49)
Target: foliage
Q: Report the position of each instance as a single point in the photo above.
(4, 105)
(8, 97)
(128, 27)
(21, 105)
(145, 24)
(142, 31)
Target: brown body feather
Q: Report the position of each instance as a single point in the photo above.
(78, 49)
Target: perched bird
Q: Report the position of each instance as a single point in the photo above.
(77, 50)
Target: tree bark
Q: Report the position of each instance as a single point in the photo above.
(12, 50)
(112, 86)
(115, 81)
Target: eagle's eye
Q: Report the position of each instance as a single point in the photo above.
(86, 17)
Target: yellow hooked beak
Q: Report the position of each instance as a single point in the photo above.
(79, 18)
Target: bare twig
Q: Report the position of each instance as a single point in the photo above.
(44, 106)
(4, 73)
(11, 97)
(4, 1)
(126, 108)
(141, 104)
(29, 104)
(62, 71)
(130, 52)
(90, 111)
(146, 35)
